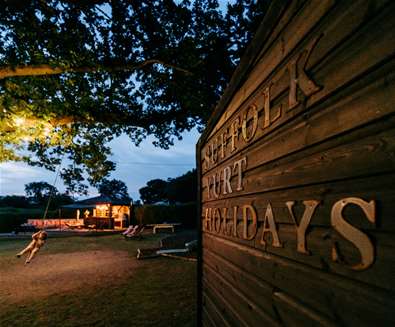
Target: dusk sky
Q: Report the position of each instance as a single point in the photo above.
(135, 166)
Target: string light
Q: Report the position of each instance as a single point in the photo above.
(19, 121)
(47, 130)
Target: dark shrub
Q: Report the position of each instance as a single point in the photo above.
(16, 201)
(11, 218)
(11, 221)
(155, 214)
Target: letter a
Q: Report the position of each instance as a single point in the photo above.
(304, 223)
(269, 225)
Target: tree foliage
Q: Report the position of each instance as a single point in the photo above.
(114, 189)
(59, 200)
(181, 189)
(40, 191)
(76, 74)
(155, 191)
(16, 201)
(43, 193)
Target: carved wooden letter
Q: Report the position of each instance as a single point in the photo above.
(269, 225)
(254, 110)
(207, 159)
(223, 139)
(310, 207)
(216, 221)
(238, 167)
(227, 174)
(234, 133)
(225, 221)
(252, 211)
(352, 234)
(266, 108)
(298, 76)
(214, 151)
(207, 220)
(207, 179)
(216, 182)
(235, 209)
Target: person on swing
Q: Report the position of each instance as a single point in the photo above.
(35, 245)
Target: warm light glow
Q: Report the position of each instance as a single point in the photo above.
(102, 207)
(46, 131)
(19, 121)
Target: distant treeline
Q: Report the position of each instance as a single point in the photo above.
(17, 209)
(11, 218)
(184, 213)
(182, 189)
(20, 201)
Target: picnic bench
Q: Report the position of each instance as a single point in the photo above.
(171, 226)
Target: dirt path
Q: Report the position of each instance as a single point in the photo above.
(58, 273)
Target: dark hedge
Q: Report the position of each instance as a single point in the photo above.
(155, 214)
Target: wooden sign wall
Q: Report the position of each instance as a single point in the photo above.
(297, 173)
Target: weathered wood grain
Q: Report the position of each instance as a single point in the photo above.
(320, 242)
(228, 313)
(350, 156)
(285, 42)
(378, 187)
(213, 313)
(247, 307)
(331, 295)
(328, 76)
(368, 99)
(327, 145)
(295, 313)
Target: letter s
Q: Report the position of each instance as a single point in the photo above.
(352, 234)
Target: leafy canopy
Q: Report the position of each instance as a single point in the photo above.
(40, 191)
(181, 189)
(76, 74)
(16, 201)
(114, 189)
(155, 191)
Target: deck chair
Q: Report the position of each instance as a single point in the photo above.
(135, 233)
(74, 226)
(128, 230)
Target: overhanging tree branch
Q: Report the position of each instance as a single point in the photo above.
(40, 70)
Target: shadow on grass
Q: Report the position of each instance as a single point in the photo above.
(160, 292)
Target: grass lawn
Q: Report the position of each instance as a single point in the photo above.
(95, 281)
